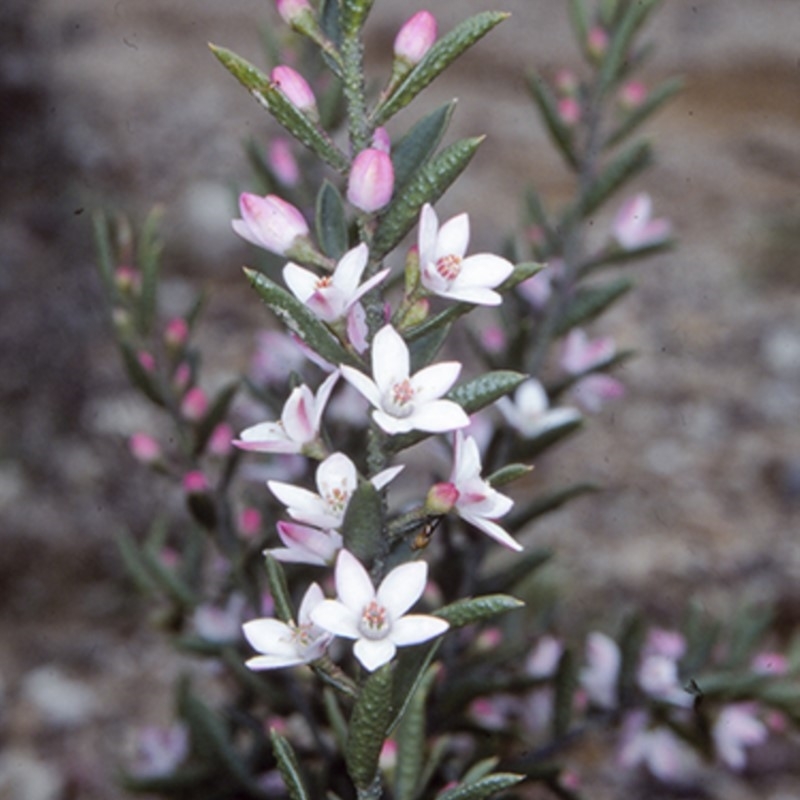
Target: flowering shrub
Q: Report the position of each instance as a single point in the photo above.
(388, 459)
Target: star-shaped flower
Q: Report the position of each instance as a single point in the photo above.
(306, 545)
(283, 644)
(529, 412)
(634, 228)
(332, 296)
(445, 271)
(377, 620)
(406, 402)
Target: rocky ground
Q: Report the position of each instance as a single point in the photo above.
(120, 103)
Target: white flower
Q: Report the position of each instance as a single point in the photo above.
(305, 545)
(405, 403)
(581, 354)
(599, 676)
(633, 228)
(477, 502)
(377, 619)
(443, 268)
(658, 677)
(332, 296)
(529, 412)
(337, 479)
(298, 425)
(283, 644)
(736, 729)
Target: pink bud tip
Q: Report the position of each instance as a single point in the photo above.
(597, 41)
(127, 279)
(441, 498)
(416, 37)
(176, 333)
(282, 162)
(146, 361)
(371, 180)
(250, 522)
(194, 405)
(381, 140)
(195, 482)
(221, 441)
(632, 94)
(569, 109)
(290, 10)
(182, 376)
(566, 82)
(295, 87)
(144, 448)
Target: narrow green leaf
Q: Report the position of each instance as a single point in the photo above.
(655, 99)
(411, 666)
(299, 319)
(427, 185)
(566, 682)
(481, 769)
(369, 723)
(331, 221)
(288, 766)
(282, 109)
(484, 788)
(589, 302)
(509, 474)
(354, 14)
(475, 609)
(521, 567)
(560, 134)
(216, 413)
(631, 640)
(330, 20)
(613, 65)
(423, 349)
(363, 523)
(616, 256)
(105, 252)
(544, 504)
(436, 60)
(279, 590)
(148, 256)
(579, 17)
(749, 628)
(135, 563)
(168, 581)
(336, 720)
(418, 145)
(142, 379)
(484, 390)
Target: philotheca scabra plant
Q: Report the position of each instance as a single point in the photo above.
(360, 533)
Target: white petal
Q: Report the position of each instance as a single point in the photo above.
(297, 415)
(374, 653)
(274, 662)
(531, 397)
(360, 382)
(453, 237)
(266, 437)
(270, 636)
(492, 529)
(353, 585)
(430, 383)
(483, 269)
(366, 286)
(474, 294)
(294, 555)
(402, 587)
(332, 616)
(295, 496)
(392, 425)
(390, 359)
(301, 282)
(428, 230)
(386, 476)
(337, 470)
(321, 398)
(246, 232)
(439, 416)
(311, 599)
(467, 460)
(349, 269)
(415, 628)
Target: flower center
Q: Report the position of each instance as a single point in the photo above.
(449, 267)
(398, 401)
(337, 499)
(374, 623)
(324, 282)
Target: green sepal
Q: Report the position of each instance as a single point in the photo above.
(415, 148)
(483, 788)
(523, 565)
(435, 61)
(139, 376)
(589, 302)
(279, 589)
(566, 682)
(544, 504)
(369, 723)
(560, 134)
(363, 523)
(476, 609)
(508, 474)
(655, 99)
(288, 766)
(216, 413)
(426, 185)
(282, 109)
(410, 737)
(331, 221)
(299, 319)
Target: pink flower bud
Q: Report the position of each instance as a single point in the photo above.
(371, 180)
(381, 140)
(388, 757)
(282, 162)
(144, 448)
(221, 441)
(195, 482)
(146, 361)
(194, 405)
(493, 339)
(566, 82)
(182, 376)
(488, 640)
(295, 87)
(415, 37)
(441, 498)
(127, 279)
(632, 95)
(291, 10)
(249, 522)
(597, 42)
(176, 333)
(269, 222)
(569, 109)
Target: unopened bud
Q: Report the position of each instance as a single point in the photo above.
(415, 38)
(381, 140)
(416, 313)
(249, 522)
(569, 109)
(292, 10)
(182, 376)
(566, 82)
(220, 442)
(145, 448)
(146, 361)
(194, 405)
(270, 222)
(371, 180)
(441, 498)
(176, 333)
(597, 42)
(632, 95)
(295, 88)
(195, 482)
(282, 162)
(127, 279)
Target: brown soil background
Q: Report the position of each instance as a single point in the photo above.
(121, 103)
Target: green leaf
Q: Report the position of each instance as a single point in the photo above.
(579, 17)
(168, 581)
(331, 221)
(436, 60)
(481, 769)
(148, 256)
(363, 523)
(566, 682)
(299, 319)
(143, 380)
(411, 666)
(749, 627)
(368, 725)
(354, 14)
(135, 563)
(508, 474)
(282, 109)
(105, 252)
(419, 144)
(279, 589)
(485, 787)
(288, 766)
(336, 720)
(521, 567)
(423, 349)
(216, 413)
(655, 99)
(589, 302)
(426, 185)
(544, 504)
(475, 609)
(614, 61)
(560, 134)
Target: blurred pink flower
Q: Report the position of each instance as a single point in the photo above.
(737, 728)
(580, 353)
(633, 227)
(282, 162)
(599, 676)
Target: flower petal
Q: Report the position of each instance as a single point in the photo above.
(453, 237)
(353, 585)
(270, 636)
(473, 294)
(311, 599)
(274, 661)
(438, 416)
(302, 282)
(402, 587)
(360, 382)
(349, 269)
(392, 425)
(297, 415)
(333, 616)
(390, 359)
(322, 396)
(428, 231)
(415, 628)
(266, 437)
(431, 382)
(374, 653)
(386, 476)
(483, 269)
(491, 529)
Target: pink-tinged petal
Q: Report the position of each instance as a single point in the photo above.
(367, 286)
(416, 37)
(474, 295)
(353, 585)
(266, 437)
(297, 415)
(350, 268)
(483, 270)
(492, 529)
(466, 459)
(374, 653)
(270, 636)
(295, 496)
(371, 181)
(392, 425)
(311, 599)
(306, 545)
(402, 587)
(333, 616)
(430, 383)
(243, 229)
(416, 628)
(360, 382)
(439, 416)
(390, 359)
(294, 87)
(386, 476)
(453, 237)
(274, 662)
(657, 230)
(301, 282)
(327, 304)
(357, 328)
(321, 400)
(428, 230)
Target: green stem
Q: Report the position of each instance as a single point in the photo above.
(373, 792)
